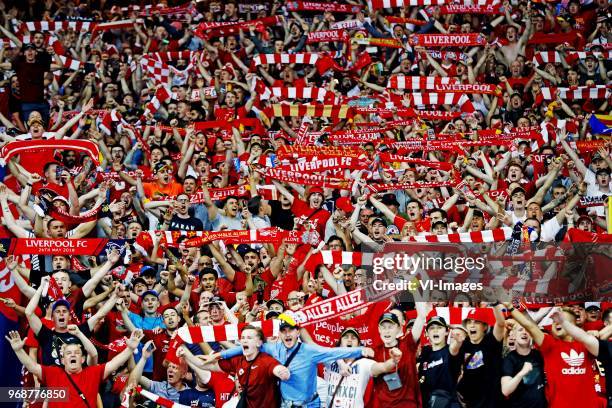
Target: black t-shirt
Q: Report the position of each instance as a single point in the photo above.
(185, 224)
(196, 398)
(438, 370)
(530, 391)
(51, 343)
(480, 385)
(605, 357)
(280, 218)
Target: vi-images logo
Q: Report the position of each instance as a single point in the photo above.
(574, 360)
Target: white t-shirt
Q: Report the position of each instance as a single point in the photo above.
(28, 136)
(352, 388)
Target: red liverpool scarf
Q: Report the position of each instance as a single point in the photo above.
(447, 40)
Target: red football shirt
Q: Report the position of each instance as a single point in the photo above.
(262, 390)
(317, 217)
(88, 380)
(408, 395)
(162, 345)
(223, 386)
(569, 367)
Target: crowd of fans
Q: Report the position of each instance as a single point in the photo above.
(322, 130)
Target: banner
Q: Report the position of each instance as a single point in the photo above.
(57, 246)
(264, 235)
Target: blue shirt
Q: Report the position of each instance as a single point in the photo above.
(302, 384)
(146, 323)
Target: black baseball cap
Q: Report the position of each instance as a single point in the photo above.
(350, 330)
(380, 220)
(388, 317)
(439, 320)
(275, 301)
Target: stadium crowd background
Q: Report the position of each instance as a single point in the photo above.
(321, 130)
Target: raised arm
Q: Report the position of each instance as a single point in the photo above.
(136, 374)
(33, 319)
(28, 362)
(590, 342)
(91, 284)
(121, 358)
(536, 333)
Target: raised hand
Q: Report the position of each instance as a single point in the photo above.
(134, 339)
(15, 340)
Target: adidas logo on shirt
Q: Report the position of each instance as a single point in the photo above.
(574, 360)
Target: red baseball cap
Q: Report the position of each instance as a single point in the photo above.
(344, 204)
(315, 190)
(479, 315)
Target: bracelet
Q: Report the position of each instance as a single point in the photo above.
(511, 309)
(29, 184)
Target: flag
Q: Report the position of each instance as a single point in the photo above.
(601, 124)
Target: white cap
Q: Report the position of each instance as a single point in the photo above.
(592, 304)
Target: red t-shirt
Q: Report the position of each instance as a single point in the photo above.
(162, 345)
(115, 326)
(230, 114)
(408, 395)
(88, 380)
(280, 287)
(262, 391)
(569, 367)
(316, 217)
(223, 386)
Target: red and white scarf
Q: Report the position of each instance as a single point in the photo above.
(471, 9)
(44, 26)
(291, 92)
(288, 152)
(227, 332)
(110, 117)
(581, 92)
(209, 30)
(486, 236)
(401, 81)
(298, 58)
(323, 163)
(164, 402)
(438, 98)
(312, 110)
(315, 6)
(308, 179)
(162, 95)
